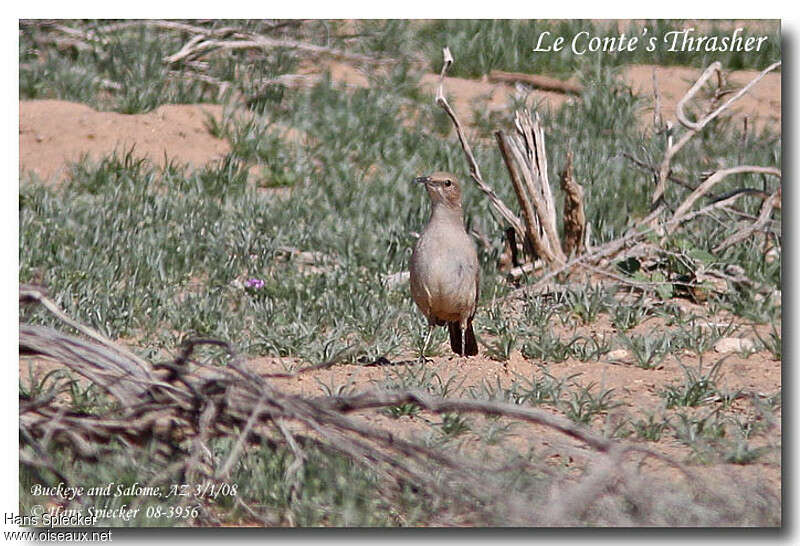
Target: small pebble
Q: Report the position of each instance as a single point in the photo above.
(618, 354)
(733, 345)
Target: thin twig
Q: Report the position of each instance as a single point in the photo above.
(199, 46)
(658, 121)
(712, 180)
(475, 170)
(769, 204)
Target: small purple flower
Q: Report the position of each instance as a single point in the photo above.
(254, 283)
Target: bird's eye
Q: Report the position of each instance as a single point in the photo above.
(448, 183)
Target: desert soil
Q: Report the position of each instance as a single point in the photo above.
(54, 133)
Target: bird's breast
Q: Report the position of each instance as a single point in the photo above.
(444, 270)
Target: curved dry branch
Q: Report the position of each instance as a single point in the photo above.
(474, 169)
(709, 183)
(705, 120)
(30, 293)
(692, 128)
(770, 203)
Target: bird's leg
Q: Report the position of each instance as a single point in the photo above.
(427, 340)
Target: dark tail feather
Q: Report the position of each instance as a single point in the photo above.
(470, 344)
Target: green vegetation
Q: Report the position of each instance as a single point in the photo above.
(156, 255)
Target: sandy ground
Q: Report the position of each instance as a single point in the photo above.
(54, 133)
(636, 393)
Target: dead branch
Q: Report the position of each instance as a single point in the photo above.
(96, 363)
(654, 170)
(628, 243)
(30, 293)
(693, 127)
(658, 120)
(545, 83)
(185, 27)
(712, 180)
(602, 253)
(525, 158)
(745, 135)
(526, 150)
(475, 170)
(380, 399)
(534, 238)
(574, 214)
(199, 45)
(527, 147)
(714, 67)
(769, 204)
(567, 503)
(709, 195)
(205, 402)
(521, 271)
(204, 40)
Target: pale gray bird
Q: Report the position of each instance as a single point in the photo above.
(444, 266)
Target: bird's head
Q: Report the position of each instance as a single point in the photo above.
(443, 188)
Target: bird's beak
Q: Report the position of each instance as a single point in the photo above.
(422, 179)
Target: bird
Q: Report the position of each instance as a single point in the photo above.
(444, 273)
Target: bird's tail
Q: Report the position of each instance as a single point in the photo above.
(470, 344)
